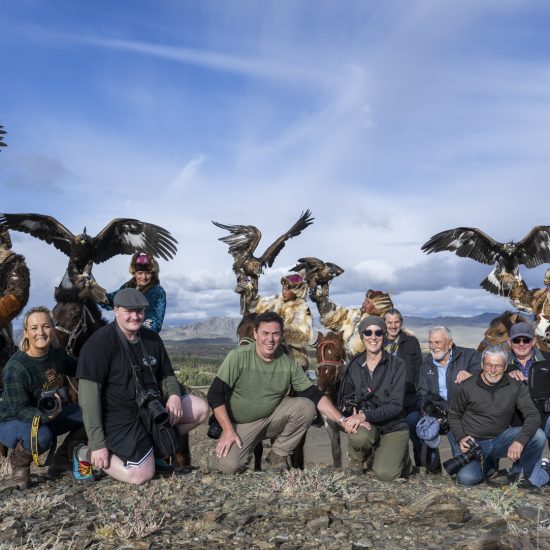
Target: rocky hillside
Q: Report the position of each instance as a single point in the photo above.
(318, 508)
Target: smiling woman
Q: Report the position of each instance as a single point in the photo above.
(38, 365)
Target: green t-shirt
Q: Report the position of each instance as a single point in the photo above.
(257, 387)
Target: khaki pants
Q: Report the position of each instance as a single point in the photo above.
(287, 424)
(391, 450)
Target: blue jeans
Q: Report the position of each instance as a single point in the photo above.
(12, 431)
(496, 448)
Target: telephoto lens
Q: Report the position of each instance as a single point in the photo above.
(453, 465)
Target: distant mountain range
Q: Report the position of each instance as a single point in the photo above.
(467, 331)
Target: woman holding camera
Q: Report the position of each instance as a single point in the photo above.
(373, 392)
(33, 379)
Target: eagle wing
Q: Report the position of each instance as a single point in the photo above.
(42, 227)
(2, 134)
(309, 264)
(268, 257)
(126, 236)
(467, 242)
(534, 248)
(242, 240)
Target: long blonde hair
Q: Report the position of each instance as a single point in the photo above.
(24, 341)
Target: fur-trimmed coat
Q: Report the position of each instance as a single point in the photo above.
(298, 323)
(346, 320)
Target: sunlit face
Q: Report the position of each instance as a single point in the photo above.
(493, 368)
(129, 320)
(440, 345)
(393, 324)
(268, 337)
(143, 278)
(373, 337)
(287, 294)
(39, 331)
(522, 347)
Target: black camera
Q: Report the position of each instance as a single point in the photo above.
(474, 452)
(348, 408)
(150, 401)
(214, 428)
(48, 404)
(431, 409)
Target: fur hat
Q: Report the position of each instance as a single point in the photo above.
(143, 262)
(296, 284)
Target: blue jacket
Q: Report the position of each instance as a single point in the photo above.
(154, 314)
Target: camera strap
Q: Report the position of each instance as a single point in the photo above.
(34, 444)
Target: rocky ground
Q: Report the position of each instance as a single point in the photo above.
(319, 508)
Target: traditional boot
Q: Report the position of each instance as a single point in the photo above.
(62, 459)
(20, 460)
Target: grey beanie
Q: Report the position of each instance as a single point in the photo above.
(371, 320)
(130, 298)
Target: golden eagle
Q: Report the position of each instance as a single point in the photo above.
(121, 236)
(245, 238)
(470, 242)
(317, 273)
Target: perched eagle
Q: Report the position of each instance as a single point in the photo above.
(121, 236)
(470, 242)
(244, 239)
(2, 134)
(316, 272)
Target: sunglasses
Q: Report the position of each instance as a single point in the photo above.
(369, 332)
(522, 340)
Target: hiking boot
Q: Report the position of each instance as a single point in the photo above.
(82, 469)
(356, 466)
(62, 459)
(276, 463)
(20, 460)
(528, 486)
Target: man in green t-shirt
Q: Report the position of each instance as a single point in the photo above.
(250, 400)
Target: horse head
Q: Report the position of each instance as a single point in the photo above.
(331, 356)
(499, 328)
(245, 329)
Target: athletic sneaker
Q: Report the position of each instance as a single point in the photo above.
(82, 470)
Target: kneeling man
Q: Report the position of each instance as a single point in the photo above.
(119, 443)
(482, 410)
(250, 400)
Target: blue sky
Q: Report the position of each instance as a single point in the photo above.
(390, 120)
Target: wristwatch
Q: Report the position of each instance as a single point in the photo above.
(341, 419)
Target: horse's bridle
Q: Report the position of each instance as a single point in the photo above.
(80, 328)
(325, 362)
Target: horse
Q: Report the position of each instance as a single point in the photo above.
(497, 333)
(331, 356)
(76, 319)
(499, 327)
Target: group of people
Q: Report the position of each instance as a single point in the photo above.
(490, 406)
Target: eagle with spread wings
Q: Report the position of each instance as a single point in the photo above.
(121, 236)
(243, 241)
(470, 242)
(2, 134)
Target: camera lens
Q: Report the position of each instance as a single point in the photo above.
(48, 405)
(157, 412)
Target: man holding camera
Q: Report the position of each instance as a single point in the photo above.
(124, 367)
(480, 416)
(250, 400)
(443, 370)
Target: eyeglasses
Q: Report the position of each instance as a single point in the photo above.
(521, 340)
(377, 333)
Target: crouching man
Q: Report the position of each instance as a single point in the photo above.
(481, 412)
(119, 443)
(250, 400)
